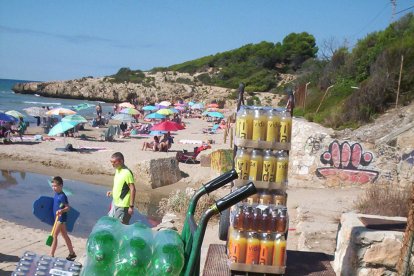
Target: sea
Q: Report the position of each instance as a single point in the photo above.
(9, 100)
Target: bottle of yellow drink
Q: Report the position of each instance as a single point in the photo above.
(253, 248)
(273, 125)
(259, 125)
(279, 251)
(244, 123)
(242, 163)
(281, 167)
(269, 166)
(237, 247)
(266, 249)
(256, 165)
(285, 128)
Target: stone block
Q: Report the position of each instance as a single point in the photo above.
(157, 172)
(385, 253)
(205, 160)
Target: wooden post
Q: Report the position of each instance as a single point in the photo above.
(306, 92)
(399, 81)
(403, 266)
(326, 92)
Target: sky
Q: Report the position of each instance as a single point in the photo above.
(49, 40)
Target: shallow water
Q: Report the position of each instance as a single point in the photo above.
(18, 191)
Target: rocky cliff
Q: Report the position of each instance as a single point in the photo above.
(159, 86)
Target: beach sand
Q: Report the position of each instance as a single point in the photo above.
(305, 204)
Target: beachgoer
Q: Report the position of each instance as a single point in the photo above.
(123, 191)
(165, 143)
(99, 110)
(152, 145)
(21, 128)
(60, 209)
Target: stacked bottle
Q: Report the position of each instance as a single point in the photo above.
(259, 225)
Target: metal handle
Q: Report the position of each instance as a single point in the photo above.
(220, 181)
(236, 196)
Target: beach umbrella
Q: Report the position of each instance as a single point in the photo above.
(181, 108)
(82, 106)
(167, 126)
(215, 114)
(35, 111)
(60, 111)
(61, 127)
(174, 110)
(149, 108)
(179, 104)
(130, 111)
(165, 111)
(157, 132)
(7, 118)
(123, 117)
(197, 106)
(15, 114)
(74, 118)
(212, 109)
(126, 105)
(191, 103)
(214, 105)
(165, 103)
(155, 116)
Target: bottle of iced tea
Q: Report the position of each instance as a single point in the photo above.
(248, 218)
(239, 218)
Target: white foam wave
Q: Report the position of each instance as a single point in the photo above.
(42, 103)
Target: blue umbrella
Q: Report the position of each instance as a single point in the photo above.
(157, 132)
(174, 110)
(149, 108)
(61, 127)
(197, 106)
(191, 103)
(215, 114)
(155, 116)
(7, 118)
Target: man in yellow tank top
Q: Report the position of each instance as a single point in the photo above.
(123, 191)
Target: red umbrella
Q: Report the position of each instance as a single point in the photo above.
(167, 126)
(214, 105)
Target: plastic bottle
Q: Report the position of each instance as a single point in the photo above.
(264, 224)
(282, 163)
(168, 255)
(279, 199)
(265, 197)
(253, 199)
(257, 216)
(266, 249)
(238, 218)
(135, 251)
(237, 247)
(273, 126)
(259, 125)
(244, 123)
(285, 128)
(256, 165)
(269, 166)
(248, 218)
(253, 248)
(279, 251)
(242, 163)
(281, 220)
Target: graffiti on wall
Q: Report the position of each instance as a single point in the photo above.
(346, 162)
(314, 143)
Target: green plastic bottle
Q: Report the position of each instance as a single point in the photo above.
(168, 256)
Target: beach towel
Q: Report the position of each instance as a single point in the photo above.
(195, 142)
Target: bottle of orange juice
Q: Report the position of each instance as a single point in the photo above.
(279, 251)
(285, 128)
(253, 248)
(266, 249)
(237, 246)
(242, 163)
(259, 125)
(282, 163)
(244, 123)
(273, 125)
(256, 164)
(269, 166)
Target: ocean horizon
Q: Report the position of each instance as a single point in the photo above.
(9, 100)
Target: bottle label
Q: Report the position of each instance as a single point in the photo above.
(253, 169)
(259, 130)
(272, 131)
(242, 128)
(268, 171)
(253, 251)
(242, 168)
(284, 132)
(266, 253)
(281, 171)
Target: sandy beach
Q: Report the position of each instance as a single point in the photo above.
(94, 167)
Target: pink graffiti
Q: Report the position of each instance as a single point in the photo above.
(344, 163)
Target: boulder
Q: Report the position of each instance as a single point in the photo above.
(157, 172)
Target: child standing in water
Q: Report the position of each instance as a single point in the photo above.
(60, 208)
